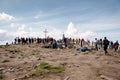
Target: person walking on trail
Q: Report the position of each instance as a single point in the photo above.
(116, 45)
(105, 44)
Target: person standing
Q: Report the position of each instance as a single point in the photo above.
(111, 45)
(105, 44)
(116, 45)
(96, 42)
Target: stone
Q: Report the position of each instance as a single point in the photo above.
(11, 69)
(77, 66)
(38, 65)
(67, 78)
(75, 54)
(105, 77)
(1, 69)
(69, 66)
(12, 56)
(14, 79)
(63, 64)
(107, 62)
(39, 59)
(19, 69)
(24, 76)
(27, 75)
(25, 62)
(34, 67)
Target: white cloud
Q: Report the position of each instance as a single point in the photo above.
(22, 27)
(2, 31)
(30, 29)
(5, 36)
(15, 25)
(24, 30)
(55, 33)
(97, 27)
(12, 25)
(50, 13)
(40, 13)
(71, 30)
(6, 17)
(74, 32)
(88, 35)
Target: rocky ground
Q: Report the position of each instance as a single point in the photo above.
(18, 62)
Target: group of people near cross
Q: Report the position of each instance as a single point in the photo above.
(52, 43)
(69, 42)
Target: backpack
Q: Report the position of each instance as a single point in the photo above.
(106, 42)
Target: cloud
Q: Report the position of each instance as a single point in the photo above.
(74, 32)
(2, 31)
(15, 25)
(5, 36)
(24, 30)
(6, 17)
(22, 27)
(71, 30)
(88, 35)
(97, 26)
(40, 13)
(55, 33)
(12, 25)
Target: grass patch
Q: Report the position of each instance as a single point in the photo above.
(4, 61)
(1, 46)
(12, 56)
(34, 52)
(2, 77)
(15, 51)
(47, 68)
(98, 74)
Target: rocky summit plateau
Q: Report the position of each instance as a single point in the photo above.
(34, 62)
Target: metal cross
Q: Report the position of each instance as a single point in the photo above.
(45, 32)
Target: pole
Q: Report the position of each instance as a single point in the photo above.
(45, 32)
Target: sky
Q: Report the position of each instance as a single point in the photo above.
(87, 19)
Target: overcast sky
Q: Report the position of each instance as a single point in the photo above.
(75, 18)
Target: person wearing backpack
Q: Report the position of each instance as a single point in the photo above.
(116, 45)
(105, 44)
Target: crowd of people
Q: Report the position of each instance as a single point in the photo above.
(49, 42)
(105, 44)
(52, 43)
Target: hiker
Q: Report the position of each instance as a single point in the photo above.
(16, 40)
(88, 42)
(105, 44)
(116, 45)
(55, 45)
(111, 45)
(82, 42)
(96, 47)
(99, 44)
